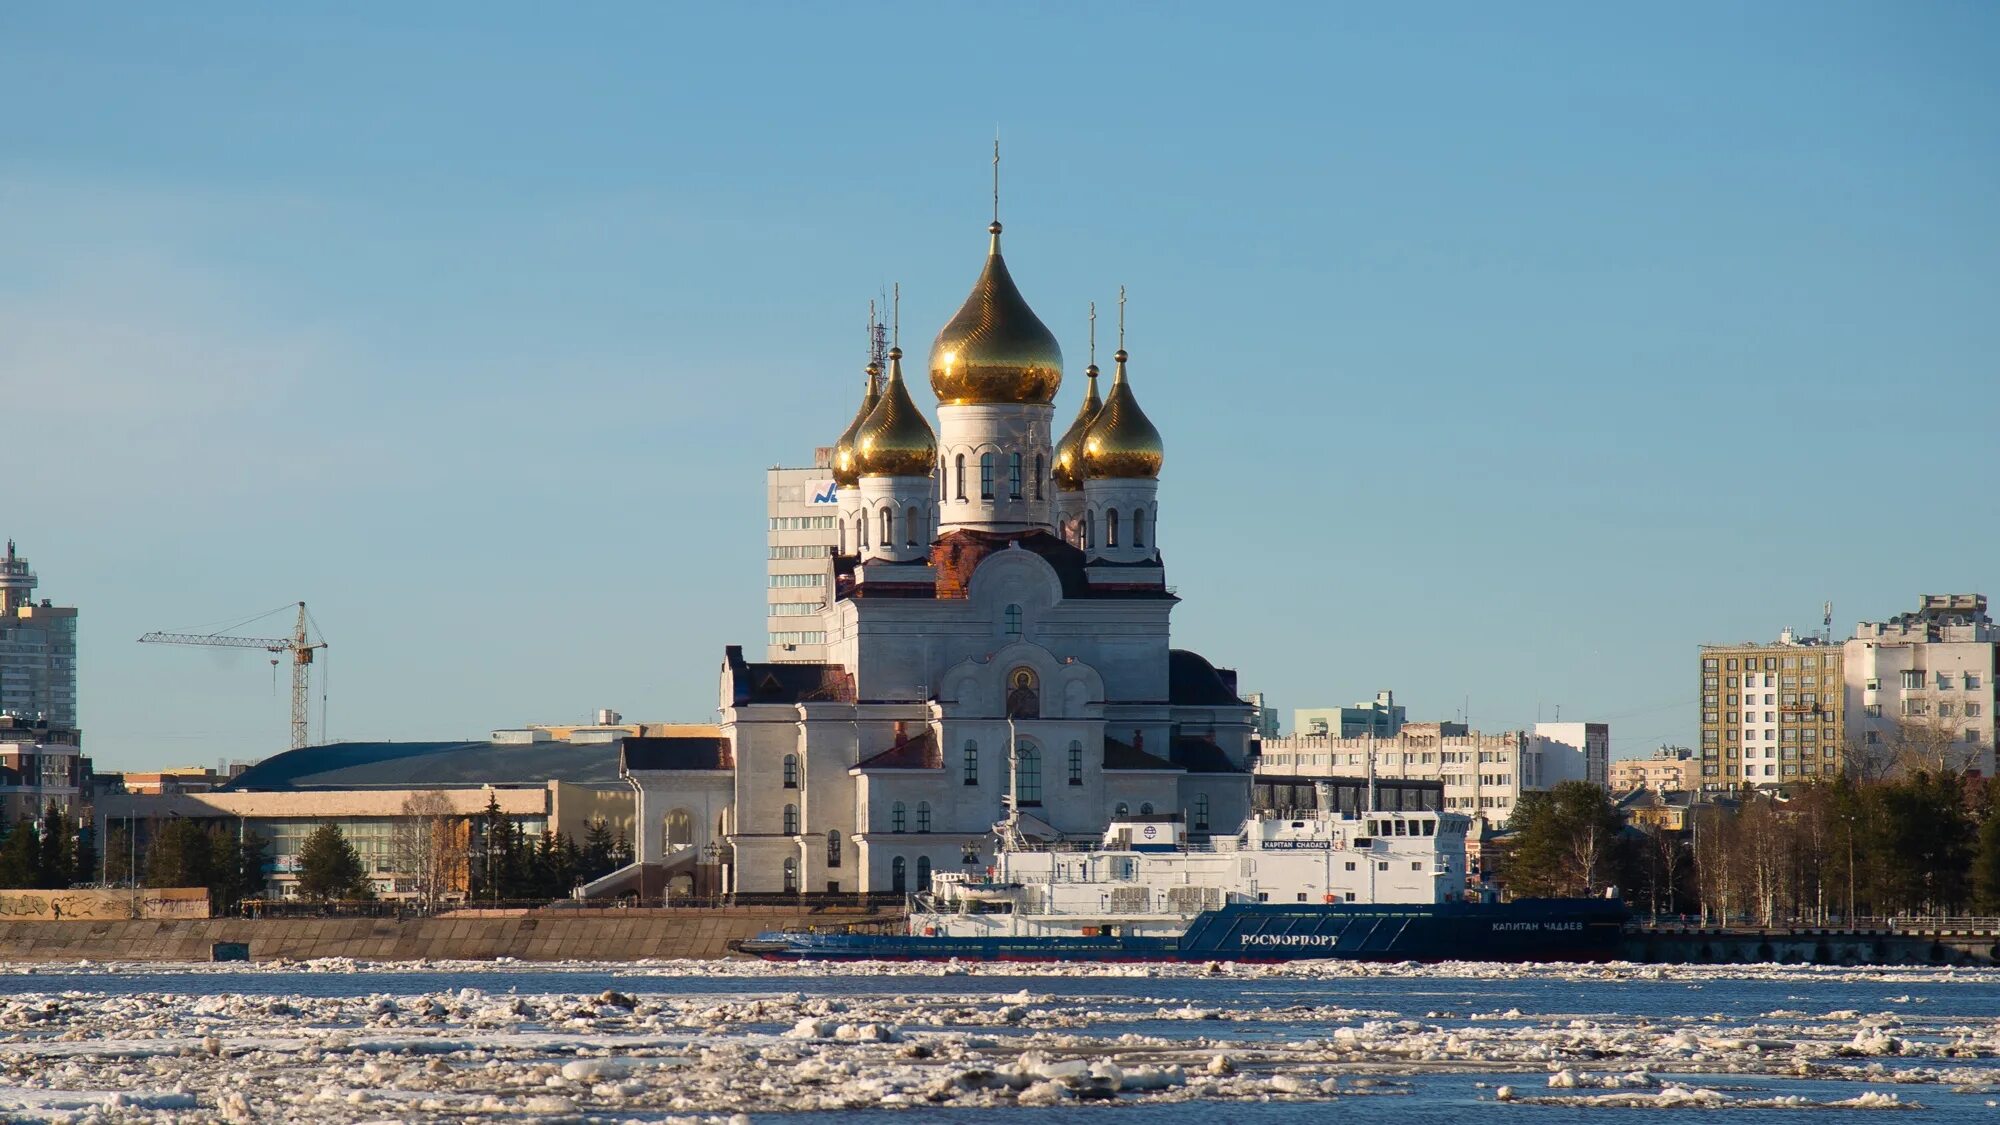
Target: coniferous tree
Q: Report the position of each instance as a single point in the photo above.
(54, 857)
(597, 847)
(329, 868)
(1566, 842)
(20, 855)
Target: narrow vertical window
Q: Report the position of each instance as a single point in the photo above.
(860, 533)
(833, 848)
(1089, 530)
(1013, 615)
(1028, 775)
(888, 528)
(1038, 476)
(923, 816)
(923, 872)
(1201, 811)
(791, 771)
(1111, 528)
(1075, 762)
(791, 876)
(961, 476)
(791, 820)
(913, 525)
(1138, 527)
(899, 879)
(971, 762)
(986, 476)
(897, 817)
(1013, 476)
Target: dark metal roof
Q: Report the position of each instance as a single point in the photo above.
(431, 765)
(1193, 681)
(1200, 755)
(917, 752)
(786, 683)
(678, 752)
(1125, 756)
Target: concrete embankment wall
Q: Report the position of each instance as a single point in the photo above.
(623, 935)
(1724, 947)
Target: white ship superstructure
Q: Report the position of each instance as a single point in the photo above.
(1144, 878)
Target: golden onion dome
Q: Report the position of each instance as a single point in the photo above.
(995, 350)
(1069, 450)
(1121, 443)
(845, 473)
(896, 441)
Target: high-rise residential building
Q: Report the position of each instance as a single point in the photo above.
(39, 763)
(1378, 718)
(37, 650)
(1771, 714)
(1919, 688)
(1587, 756)
(1671, 769)
(804, 509)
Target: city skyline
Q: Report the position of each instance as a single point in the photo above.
(1498, 392)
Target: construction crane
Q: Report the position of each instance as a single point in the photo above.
(299, 645)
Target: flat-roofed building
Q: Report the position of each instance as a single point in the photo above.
(1771, 714)
(1670, 769)
(803, 505)
(1920, 690)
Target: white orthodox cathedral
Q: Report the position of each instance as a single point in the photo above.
(997, 637)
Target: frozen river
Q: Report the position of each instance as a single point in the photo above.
(340, 1041)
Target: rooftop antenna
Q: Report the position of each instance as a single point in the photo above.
(878, 348)
(1827, 620)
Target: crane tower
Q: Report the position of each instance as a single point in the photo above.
(299, 645)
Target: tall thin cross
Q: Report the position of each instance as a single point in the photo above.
(1093, 333)
(996, 175)
(1121, 318)
(896, 318)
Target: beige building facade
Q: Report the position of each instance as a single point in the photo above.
(1484, 775)
(803, 505)
(1919, 688)
(1671, 769)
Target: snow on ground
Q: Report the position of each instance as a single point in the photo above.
(83, 1049)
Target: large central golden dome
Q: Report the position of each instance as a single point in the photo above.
(995, 350)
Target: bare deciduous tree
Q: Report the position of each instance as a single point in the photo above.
(428, 847)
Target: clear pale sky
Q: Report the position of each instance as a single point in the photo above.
(1503, 353)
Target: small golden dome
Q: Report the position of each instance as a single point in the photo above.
(995, 350)
(896, 441)
(1069, 450)
(846, 473)
(1121, 443)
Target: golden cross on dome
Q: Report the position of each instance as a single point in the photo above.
(1121, 318)
(1093, 333)
(996, 173)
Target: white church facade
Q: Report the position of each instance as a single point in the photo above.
(998, 636)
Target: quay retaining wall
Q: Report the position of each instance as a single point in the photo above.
(612, 935)
(1813, 947)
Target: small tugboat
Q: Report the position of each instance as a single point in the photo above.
(1377, 885)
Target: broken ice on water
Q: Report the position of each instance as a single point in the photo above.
(345, 1041)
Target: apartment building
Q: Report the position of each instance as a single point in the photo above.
(804, 510)
(1919, 688)
(37, 649)
(1671, 769)
(1771, 714)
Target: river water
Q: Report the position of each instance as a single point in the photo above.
(350, 1042)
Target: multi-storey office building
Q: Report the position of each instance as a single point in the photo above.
(1919, 688)
(37, 650)
(1380, 717)
(804, 510)
(1483, 775)
(1771, 714)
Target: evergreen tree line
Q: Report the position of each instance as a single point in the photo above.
(1927, 843)
(506, 863)
(49, 853)
(193, 853)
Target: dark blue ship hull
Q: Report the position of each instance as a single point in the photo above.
(1530, 930)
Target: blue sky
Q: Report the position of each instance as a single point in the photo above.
(1503, 354)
